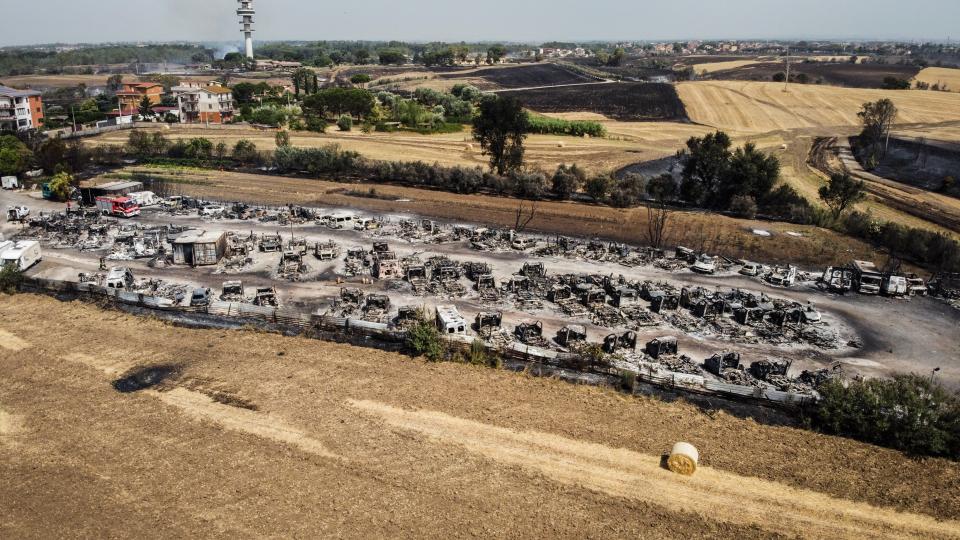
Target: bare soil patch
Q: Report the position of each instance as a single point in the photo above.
(445, 447)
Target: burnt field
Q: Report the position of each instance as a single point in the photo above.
(524, 76)
(837, 74)
(619, 101)
(631, 69)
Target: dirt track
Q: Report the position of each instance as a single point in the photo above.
(341, 441)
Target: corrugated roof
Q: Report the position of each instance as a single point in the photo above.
(13, 92)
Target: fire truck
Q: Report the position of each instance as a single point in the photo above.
(118, 206)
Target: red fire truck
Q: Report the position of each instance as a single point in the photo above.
(118, 206)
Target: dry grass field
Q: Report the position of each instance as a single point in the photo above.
(721, 66)
(629, 142)
(942, 76)
(757, 107)
(254, 434)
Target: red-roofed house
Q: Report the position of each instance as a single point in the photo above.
(133, 93)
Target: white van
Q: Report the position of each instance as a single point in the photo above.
(145, 198)
(23, 254)
(340, 221)
(9, 182)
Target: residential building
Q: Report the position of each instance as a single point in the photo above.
(20, 110)
(204, 103)
(133, 93)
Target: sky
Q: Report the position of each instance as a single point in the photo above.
(72, 21)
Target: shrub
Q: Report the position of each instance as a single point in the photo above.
(566, 181)
(908, 412)
(424, 340)
(10, 278)
(345, 123)
(743, 206)
(282, 138)
(245, 151)
(598, 187)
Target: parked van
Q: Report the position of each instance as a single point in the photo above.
(340, 221)
(895, 286)
(23, 254)
(145, 198)
(9, 182)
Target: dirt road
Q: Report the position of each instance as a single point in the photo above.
(331, 440)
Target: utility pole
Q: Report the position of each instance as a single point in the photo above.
(786, 84)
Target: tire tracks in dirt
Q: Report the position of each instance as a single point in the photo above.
(712, 493)
(11, 342)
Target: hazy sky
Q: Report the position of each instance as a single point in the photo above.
(506, 20)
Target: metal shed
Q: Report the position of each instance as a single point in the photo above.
(109, 189)
(199, 248)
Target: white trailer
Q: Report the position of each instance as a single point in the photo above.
(9, 182)
(450, 322)
(23, 254)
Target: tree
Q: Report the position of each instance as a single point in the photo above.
(60, 186)
(598, 187)
(282, 138)
(15, 157)
(566, 181)
(877, 119)
(360, 79)
(661, 189)
(842, 192)
(906, 412)
(245, 151)
(139, 143)
(500, 128)
(145, 108)
(749, 173)
(304, 79)
(704, 164)
(220, 151)
(495, 53)
(338, 101)
(362, 56)
(391, 56)
(424, 340)
(50, 154)
(114, 83)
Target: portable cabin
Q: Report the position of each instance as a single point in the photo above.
(199, 248)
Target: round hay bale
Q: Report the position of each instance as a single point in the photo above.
(468, 148)
(561, 144)
(683, 459)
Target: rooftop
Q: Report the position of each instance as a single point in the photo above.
(13, 92)
(199, 237)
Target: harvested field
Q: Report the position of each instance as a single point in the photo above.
(619, 101)
(835, 74)
(713, 67)
(523, 76)
(628, 142)
(376, 444)
(943, 76)
(762, 107)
